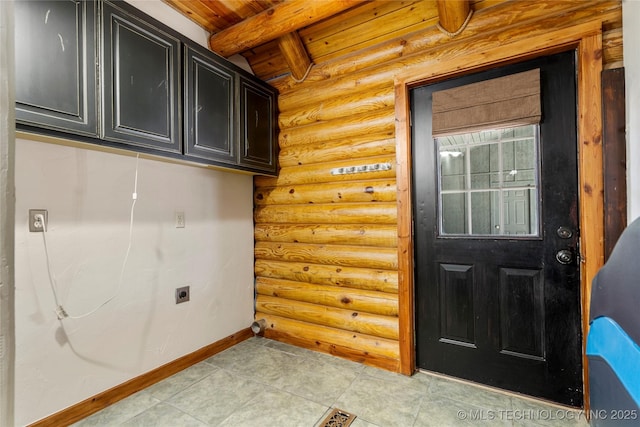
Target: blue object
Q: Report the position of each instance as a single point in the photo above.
(616, 288)
(613, 343)
(609, 342)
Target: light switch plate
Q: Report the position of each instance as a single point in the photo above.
(180, 222)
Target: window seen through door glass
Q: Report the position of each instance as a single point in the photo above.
(488, 183)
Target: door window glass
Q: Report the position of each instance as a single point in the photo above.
(488, 183)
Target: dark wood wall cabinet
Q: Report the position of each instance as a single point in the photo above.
(55, 53)
(257, 126)
(105, 73)
(141, 81)
(209, 107)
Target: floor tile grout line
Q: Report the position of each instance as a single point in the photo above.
(357, 377)
(422, 401)
(306, 359)
(189, 386)
(186, 413)
(484, 398)
(141, 412)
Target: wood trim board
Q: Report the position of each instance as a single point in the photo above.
(586, 38)
(100, 401)
(614, 156)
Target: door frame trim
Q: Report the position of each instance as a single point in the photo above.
(586, 39)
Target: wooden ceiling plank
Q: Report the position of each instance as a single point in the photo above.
(263, 52)
(226, 16)
(246, 8)
(267, 60)
(196, 12)
(272, 72)
(275, 22)
(452, 14)
(295, 54)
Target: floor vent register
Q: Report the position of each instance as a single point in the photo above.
(338, 418)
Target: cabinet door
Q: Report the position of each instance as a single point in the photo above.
(141, 81)
(55, 57)
(208, 108)
(258, 143)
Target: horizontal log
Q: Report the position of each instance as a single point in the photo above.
(356, 29)
(293, 104)
(349, 256)
(360, 27)
(612, 46)
(347, 298)
(329, 275)
(343, 234)
(347, 19)
(376, 98)
(345, 127)
(332, 151)
(350, 320)
(507, 21)
(289, 334)
(337, 192)
(369, 34)
(363, 80)
(281, 19)
(456, 51)
(340, 171)
(352, 213)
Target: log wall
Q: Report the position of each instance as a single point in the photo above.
(326, 244)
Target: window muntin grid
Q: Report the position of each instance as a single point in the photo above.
(488, 183)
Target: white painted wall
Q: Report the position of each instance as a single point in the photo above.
(88, 195)
(631, 34)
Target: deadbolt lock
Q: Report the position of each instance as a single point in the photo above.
(564, 256)
(564, 232)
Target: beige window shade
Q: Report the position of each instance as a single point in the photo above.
(507, 101)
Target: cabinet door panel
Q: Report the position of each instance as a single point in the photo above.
(141, 76)
(208, 108)
(257, 127)
(55, 55)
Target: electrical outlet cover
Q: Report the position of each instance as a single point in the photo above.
(32, 220)
(182, 294)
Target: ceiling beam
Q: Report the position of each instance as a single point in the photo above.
(275, 22)
(295, 54)
(452, 14)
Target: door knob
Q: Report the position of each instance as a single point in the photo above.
(564, 256)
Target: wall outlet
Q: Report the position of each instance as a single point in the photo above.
(35, 225)
(182, 294)
(179, 219)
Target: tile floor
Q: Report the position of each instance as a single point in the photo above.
(265, 383)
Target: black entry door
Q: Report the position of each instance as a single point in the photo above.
(496, 233)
